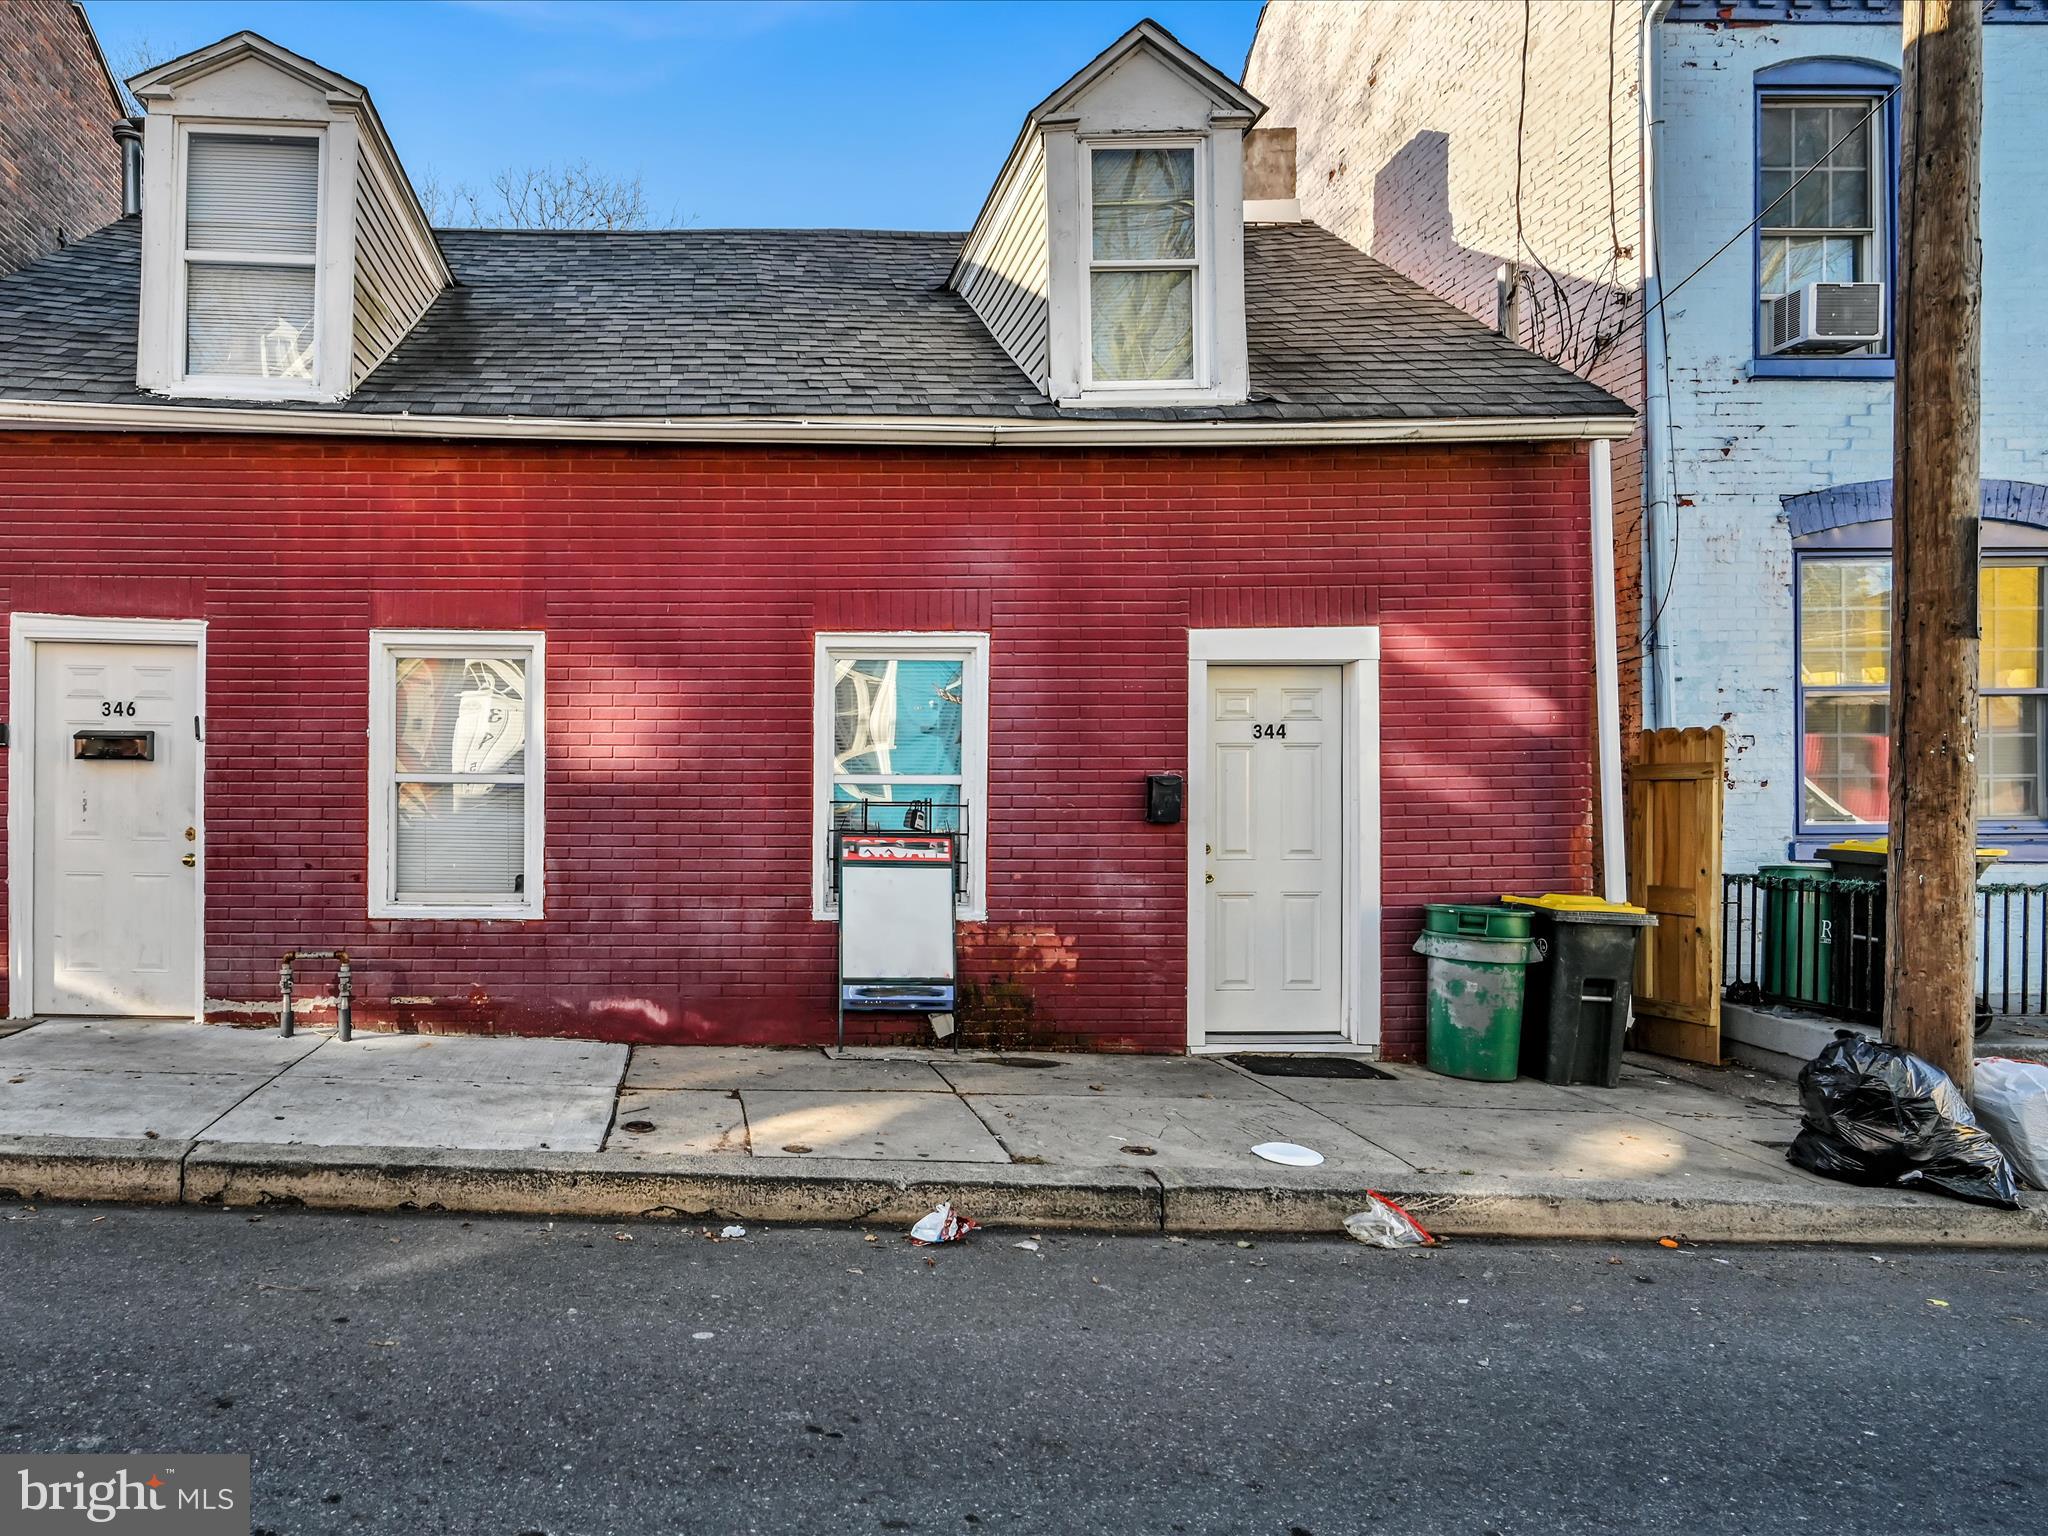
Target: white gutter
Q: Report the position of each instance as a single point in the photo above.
(955, 431)
(1607, 673)
(1658, 708)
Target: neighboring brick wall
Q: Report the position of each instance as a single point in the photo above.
(1740, 444)
(60, 170)
(680, 590)
(1407, 114)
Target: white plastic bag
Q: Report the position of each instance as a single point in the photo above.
(2012, 1104)
(941, 1225)
(1385, 1225)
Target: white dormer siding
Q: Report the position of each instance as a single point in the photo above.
(1003, 272)
(395, 278)
(283, 253)
(1109, 260)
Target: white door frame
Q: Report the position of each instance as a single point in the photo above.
(24, 632)
(1357, 651)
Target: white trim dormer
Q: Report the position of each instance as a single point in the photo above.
(247, 94)
(1153, 125)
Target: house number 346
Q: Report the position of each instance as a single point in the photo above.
(1269, 732)
(112, 707)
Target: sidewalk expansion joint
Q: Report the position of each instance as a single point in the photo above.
(192, 1142)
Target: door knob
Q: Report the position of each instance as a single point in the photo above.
(189, 860)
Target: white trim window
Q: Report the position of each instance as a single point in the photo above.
(1146, 243)
(248, 287)
(900, 733)
(457, 797)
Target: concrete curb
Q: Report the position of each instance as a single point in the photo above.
(1216, 1200)
(620, 1186)
(87, 1168)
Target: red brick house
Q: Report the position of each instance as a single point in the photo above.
(521, 612)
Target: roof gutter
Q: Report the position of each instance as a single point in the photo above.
(954, 431)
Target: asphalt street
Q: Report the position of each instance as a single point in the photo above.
(429, 1374)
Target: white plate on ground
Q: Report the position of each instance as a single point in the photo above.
(1287, 1152)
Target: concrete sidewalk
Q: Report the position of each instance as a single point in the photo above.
(185, 1112)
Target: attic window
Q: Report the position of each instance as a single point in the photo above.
(1144, 267)
(250, 253)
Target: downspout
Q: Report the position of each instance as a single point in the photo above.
(1658, 707)
(1607, 672)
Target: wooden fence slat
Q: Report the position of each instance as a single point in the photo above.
(1674, 847)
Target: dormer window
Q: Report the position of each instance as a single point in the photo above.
(250, 259)
(1145, 264)
(284, 252)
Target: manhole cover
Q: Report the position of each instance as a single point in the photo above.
(1310, 1066)
(637, 1127)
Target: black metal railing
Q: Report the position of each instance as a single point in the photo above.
(1817, 943)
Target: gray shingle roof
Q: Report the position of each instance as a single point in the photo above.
(801, 322)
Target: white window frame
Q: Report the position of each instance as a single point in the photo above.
(971, 650)
(1202, 289)
(184, 259)
(386, 646)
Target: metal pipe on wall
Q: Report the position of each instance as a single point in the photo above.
(1657, 509)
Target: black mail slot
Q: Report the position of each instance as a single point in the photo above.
(114, 746)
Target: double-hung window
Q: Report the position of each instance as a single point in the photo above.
(456, 791)
(1826, 160)
(901, 732)
(1845, 623)
(248, 259)
(1145, 264)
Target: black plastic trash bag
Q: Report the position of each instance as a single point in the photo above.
(1877, 1114)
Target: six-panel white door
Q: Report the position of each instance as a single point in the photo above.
(116, 884)
(1273, 862)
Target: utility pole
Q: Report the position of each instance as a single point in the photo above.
(1930, 992)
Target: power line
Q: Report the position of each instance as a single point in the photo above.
(1719, 250)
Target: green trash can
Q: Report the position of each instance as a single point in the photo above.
(1799, 932)
(1478, 963)
(1581, 987)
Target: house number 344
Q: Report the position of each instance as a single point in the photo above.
(112, 707)
(1269, 732)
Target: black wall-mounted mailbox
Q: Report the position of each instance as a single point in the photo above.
(114, 746)
(1162, 798)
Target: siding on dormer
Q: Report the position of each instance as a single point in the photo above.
(394, 285)
(1003, 269)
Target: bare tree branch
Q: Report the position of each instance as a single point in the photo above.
(572, 196)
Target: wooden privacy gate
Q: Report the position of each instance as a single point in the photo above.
(1674, 869)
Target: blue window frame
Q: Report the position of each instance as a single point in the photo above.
(1826, 141)
(1842, 618)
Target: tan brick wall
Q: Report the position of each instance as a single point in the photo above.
(1408, 114)
(60, 171)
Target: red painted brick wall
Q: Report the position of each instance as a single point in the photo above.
(60, 171)
(680, 590)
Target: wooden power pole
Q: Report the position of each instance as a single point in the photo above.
(1930, 991)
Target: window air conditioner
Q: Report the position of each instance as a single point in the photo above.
(1824, 317)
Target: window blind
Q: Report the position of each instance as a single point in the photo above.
(247, 198)
(459, 767)
(251, 195)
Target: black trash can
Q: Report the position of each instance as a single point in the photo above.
(1581, 988)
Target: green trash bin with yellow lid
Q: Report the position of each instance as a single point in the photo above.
(1478, 959)
(1581, 986)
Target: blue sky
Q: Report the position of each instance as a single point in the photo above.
(870, 113)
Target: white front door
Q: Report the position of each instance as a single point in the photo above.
(1273, 873)
(116, 882)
